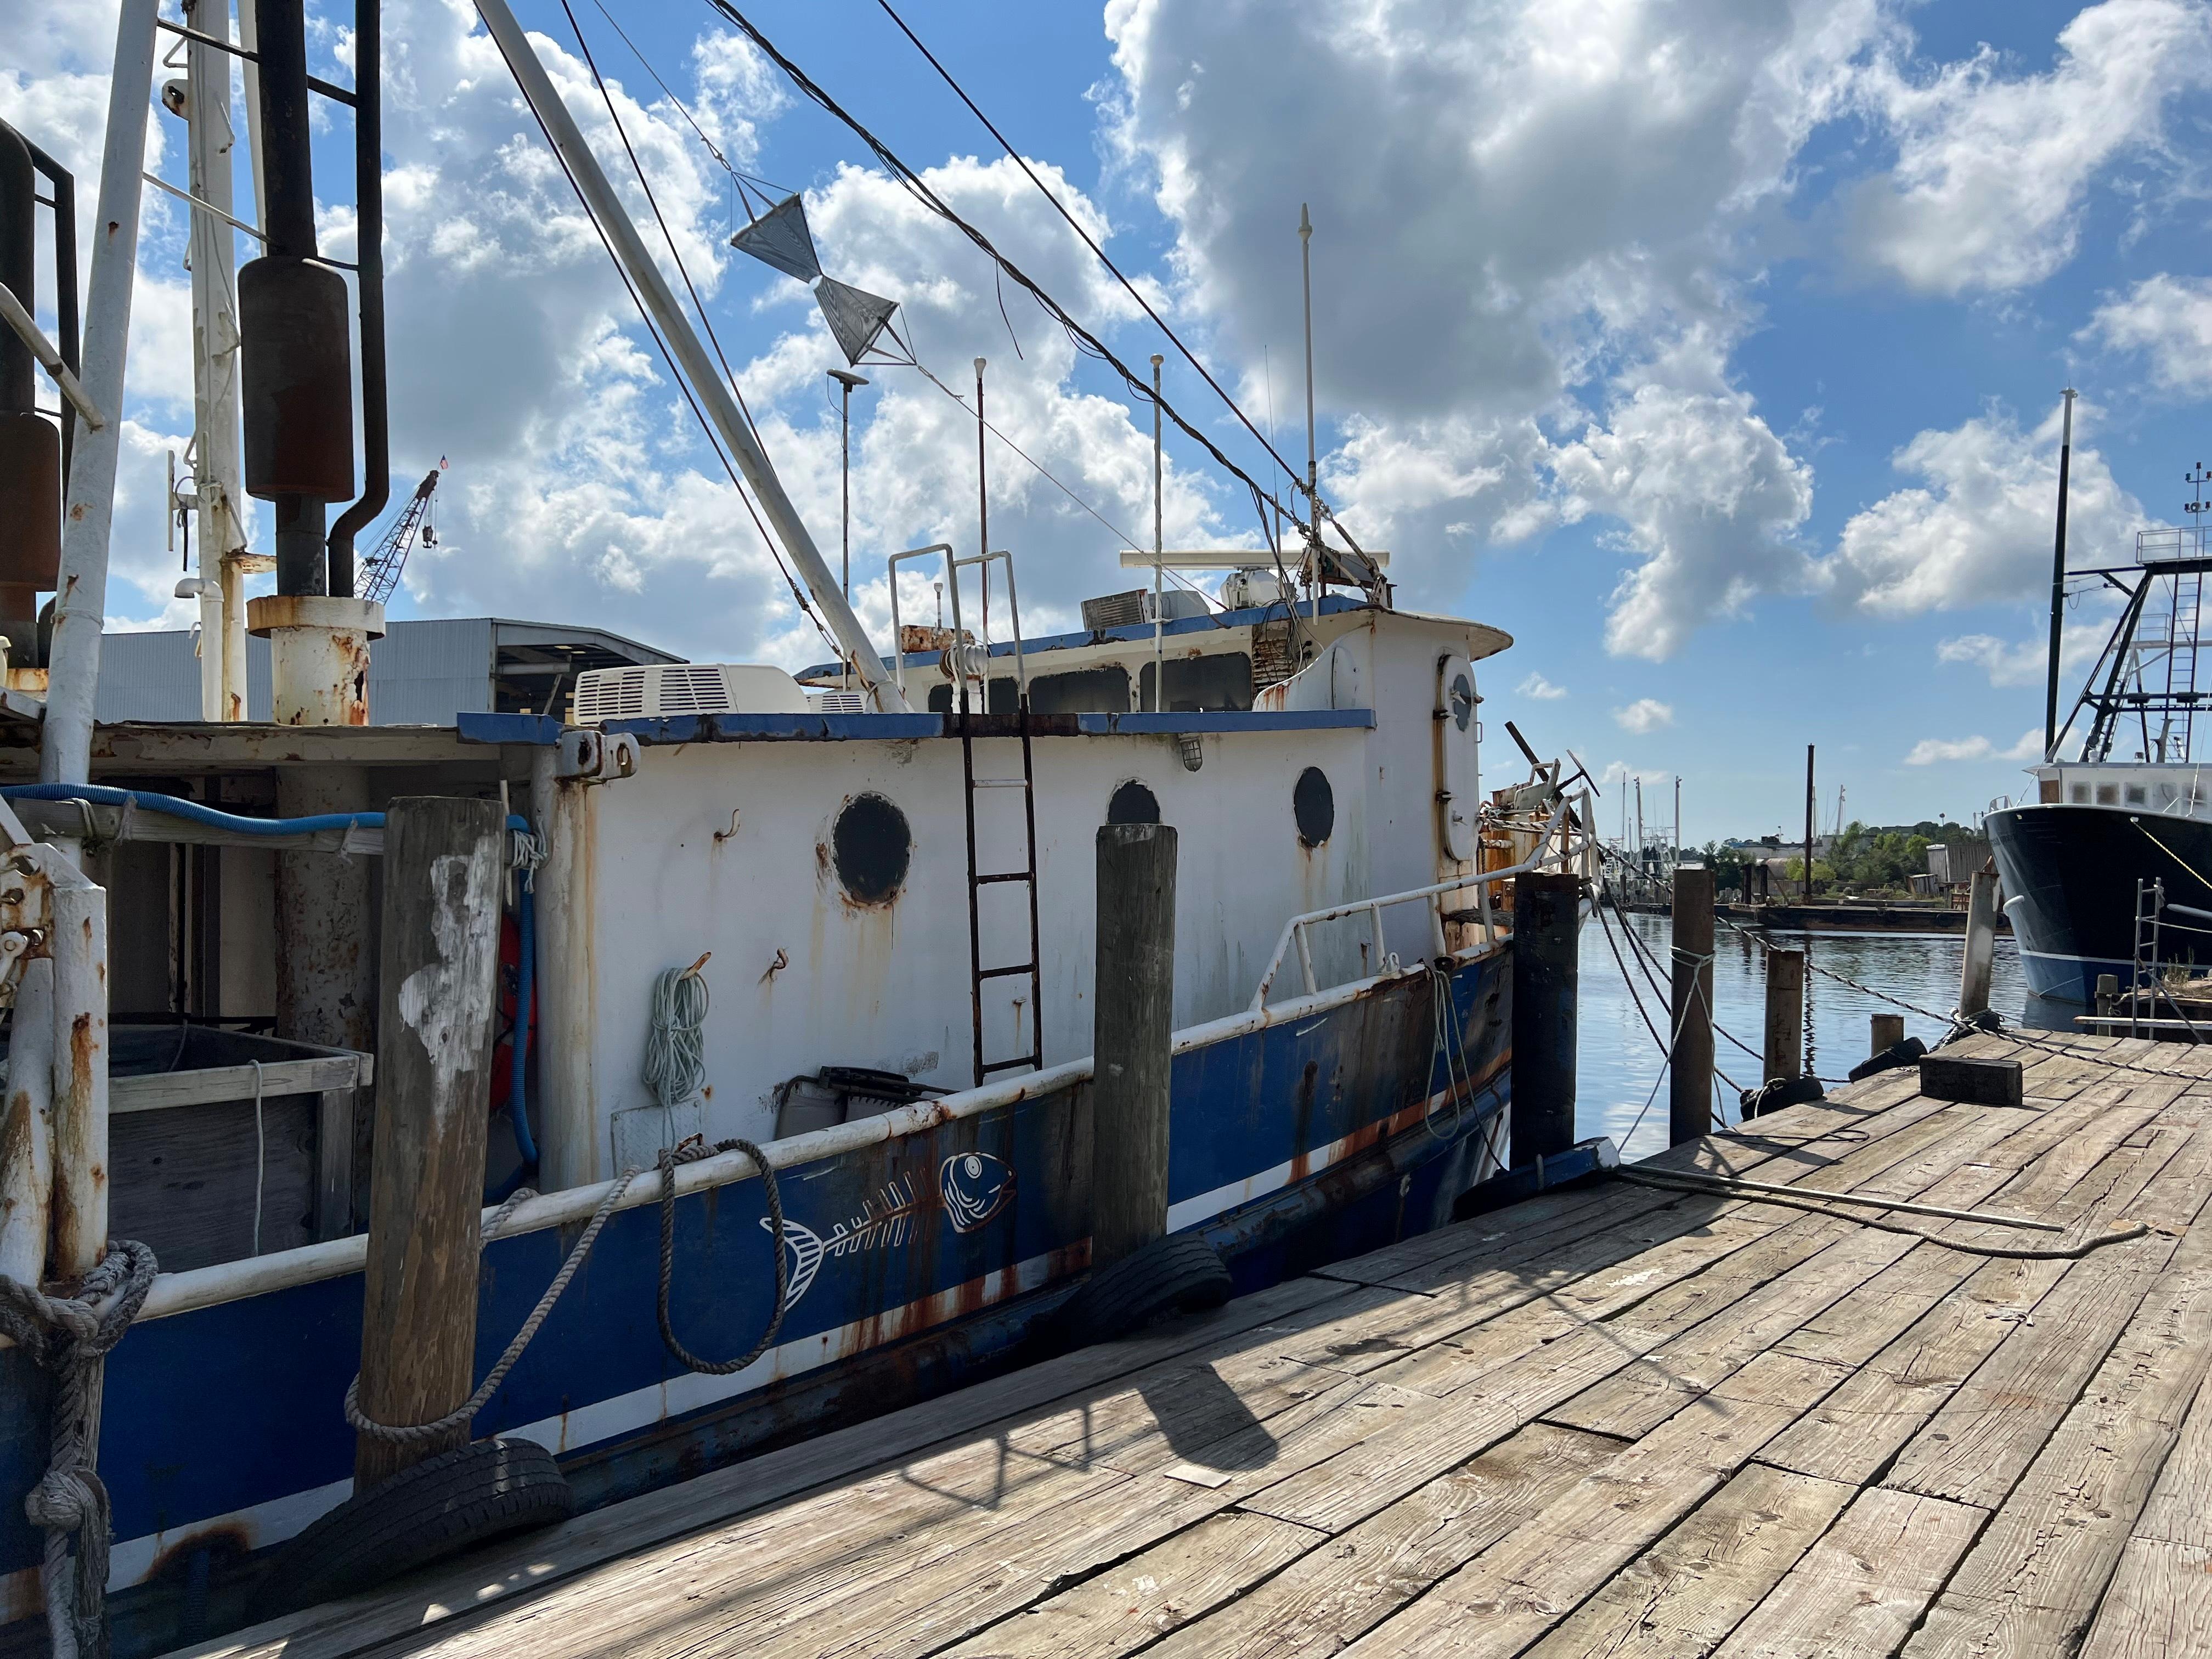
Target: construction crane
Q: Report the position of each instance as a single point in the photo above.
(382, 567)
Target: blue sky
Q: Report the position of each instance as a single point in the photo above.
(1711, 347)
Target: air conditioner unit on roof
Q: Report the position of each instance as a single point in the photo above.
(647, 690)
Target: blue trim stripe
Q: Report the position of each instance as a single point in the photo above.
(1255, 719)
(668, 730)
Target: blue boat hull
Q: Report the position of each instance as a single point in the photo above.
(919, 1263)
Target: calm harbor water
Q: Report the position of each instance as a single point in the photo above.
(1618, 1062)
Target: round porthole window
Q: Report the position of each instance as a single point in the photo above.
(871, 847)
(1133, 803)
(1462, 700)
(1313, 805)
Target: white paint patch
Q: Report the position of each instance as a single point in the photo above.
(448, 1003)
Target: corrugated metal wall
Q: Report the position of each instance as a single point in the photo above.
(421, 673)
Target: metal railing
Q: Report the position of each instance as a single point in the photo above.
(2167, 542)
(1386, 962)
(964, 661)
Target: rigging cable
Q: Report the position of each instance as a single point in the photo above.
(607, 98)
(742, 178)
(668, 357)
(1029, 172)
(1083, 339)
(760, 186)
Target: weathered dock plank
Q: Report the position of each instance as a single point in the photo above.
(1856, 1593)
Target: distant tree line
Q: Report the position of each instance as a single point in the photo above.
(1864, 859)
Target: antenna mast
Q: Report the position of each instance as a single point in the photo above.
(2058, 581)
(1313, 465)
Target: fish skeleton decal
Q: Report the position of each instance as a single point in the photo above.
(972, 1187)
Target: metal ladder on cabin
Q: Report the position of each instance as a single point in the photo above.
(978, 878)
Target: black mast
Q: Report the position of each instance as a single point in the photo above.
(2058, 581)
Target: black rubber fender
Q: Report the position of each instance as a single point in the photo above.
(1179, 1274)
(1778, 1093)
(444, 1505)
(1907, 1053)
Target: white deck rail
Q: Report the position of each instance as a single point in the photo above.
(1294, 930)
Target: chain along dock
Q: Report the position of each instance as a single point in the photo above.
(1621, 1417)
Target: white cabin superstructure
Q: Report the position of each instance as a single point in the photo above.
(819, 862)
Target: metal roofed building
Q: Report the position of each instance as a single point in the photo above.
(420, 673)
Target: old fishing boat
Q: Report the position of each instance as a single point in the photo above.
(2122, 829)
(798, 980)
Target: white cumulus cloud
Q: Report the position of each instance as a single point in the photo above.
(2024, 662)
(1993, 166)
(1977, 529)
(1541, 689)
(1644, 714)
(1936, 751)
(2168, 321)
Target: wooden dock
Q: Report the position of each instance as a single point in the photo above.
(1611, 1421)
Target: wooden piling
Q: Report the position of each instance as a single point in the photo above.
(1981, 945)
(1786, 1015)
(1690, 1079)
(1133, 990)
(1546, 921)
(444, 863)
(1884, 1032)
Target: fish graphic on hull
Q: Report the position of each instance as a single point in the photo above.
(972, 1189)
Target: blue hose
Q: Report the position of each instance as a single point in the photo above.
(525, 986)
(193, 811)
(170, 805)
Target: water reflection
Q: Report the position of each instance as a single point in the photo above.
(1617, 1061)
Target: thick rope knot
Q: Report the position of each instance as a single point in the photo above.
(68, 1334)
(64, 1499)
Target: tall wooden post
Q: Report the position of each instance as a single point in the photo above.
(1981, 945)
(1884, 1032)
(1786, 1015)
(1808, 823)
(1547, 924)
(444, 864)
(1690, 1079)
(1133, 991)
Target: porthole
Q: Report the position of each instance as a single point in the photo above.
(1461, 700)
(871, 847)
(1133, 803)
(1313, 804)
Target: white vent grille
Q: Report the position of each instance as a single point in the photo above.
(841, 702)
(647, 690)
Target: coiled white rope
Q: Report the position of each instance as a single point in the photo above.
(676, 1042)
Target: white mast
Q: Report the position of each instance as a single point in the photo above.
(691, 358)
(81, 606)
(215, 447)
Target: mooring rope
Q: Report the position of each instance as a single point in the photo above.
(670, 1158)
(675, 1069)
(1721, 1186)
(415, 1434)
(406, 1434)
(68, 1335)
